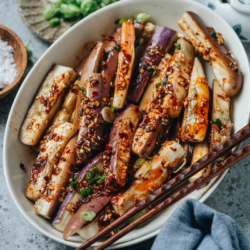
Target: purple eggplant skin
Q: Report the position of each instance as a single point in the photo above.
(160, 42)
(99, 91)
(111, 55)
(63, 215)
(75, 222)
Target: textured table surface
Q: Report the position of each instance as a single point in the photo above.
(231, 196)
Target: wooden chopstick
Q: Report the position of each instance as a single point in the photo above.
(217, 152)
(217, 170)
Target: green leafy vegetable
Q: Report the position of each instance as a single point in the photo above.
(218, 122)
(163, 123)
(151, 71)
(111, 106)
(54, 22)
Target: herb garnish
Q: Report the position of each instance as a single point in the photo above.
(178, 46)
(218, 122)
(164, 81)
(117, 48)
(83, 90)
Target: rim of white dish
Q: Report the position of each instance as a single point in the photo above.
(6, 171)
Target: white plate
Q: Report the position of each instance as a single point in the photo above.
(66, 51)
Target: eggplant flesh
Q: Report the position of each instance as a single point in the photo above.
(220, 110)
(75, 222)
(211, 46)
(117, 154)
(63, 215)
(160, 43)
(92, 125)
(195, 121)
(49, 156)
(150, 176)
(46, 103)
(48, 203)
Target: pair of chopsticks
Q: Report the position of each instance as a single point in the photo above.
(155, 199)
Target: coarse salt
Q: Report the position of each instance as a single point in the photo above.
(7, 64)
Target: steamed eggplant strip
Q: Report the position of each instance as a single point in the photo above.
(63, 114)
(46, 104)
(160, 43)
(91, 66)
(221, 130)
(49, 156)
(125, 64)
(200, 149)
(195, 121)
(94, 227)
(48, 203)
(75, 222)
(92, 125)
(150, 176)
(211, 46)
(117, 154)
(166, 99)
(179, 73)
(64, 213)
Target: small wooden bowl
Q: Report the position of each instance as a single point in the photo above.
(20, 57)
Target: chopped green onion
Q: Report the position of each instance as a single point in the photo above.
(164, 81)
(49, 11)
(70, 11)
(88, 6)
(84, 191)
(137, 41)
(94, 170)
(87, 215)
(82, 151)
(54, 22)
(138, 164)
(101, 179)
(159, 138)
(117, 48)
(142, 17)
(75, 177)
(218, 122)
(111, 106)
(81, 112)
(89, 178)
(29, 52)
(148, 69)
(83, 91)
(125, 19)
(212, 33)
(73, 184)
(178, 46)
(117, 21)
(163, 123)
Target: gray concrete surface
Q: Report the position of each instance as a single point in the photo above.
(231, 197)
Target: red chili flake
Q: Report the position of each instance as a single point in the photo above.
(63, 159)
(102, 139)
(94, 93)
(52, 136)
(107, 147)
(56, 171)
(46, 178)
(174, 149)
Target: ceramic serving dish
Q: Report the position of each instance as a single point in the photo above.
(68, 50)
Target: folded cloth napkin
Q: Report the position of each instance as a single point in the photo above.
(194, 225)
